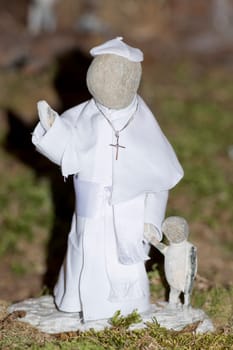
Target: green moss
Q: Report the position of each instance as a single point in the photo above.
(217, 302)
(120, 321)
(151, 338)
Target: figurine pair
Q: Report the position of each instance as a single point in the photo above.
(123, 168)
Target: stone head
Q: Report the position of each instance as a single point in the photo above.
(113, 80)
(114, 75)
(176, 229)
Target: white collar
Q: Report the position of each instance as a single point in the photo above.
(113, 114)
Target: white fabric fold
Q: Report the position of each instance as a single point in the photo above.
(79, 141)
(128, 217)
(147, 164)
(71, 161)
(156, 203)
(149, 157)
(126, 291)
(63, 153)
(118, 47)
(90, 198)
(129, 230)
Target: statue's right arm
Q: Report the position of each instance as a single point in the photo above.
(57, 136)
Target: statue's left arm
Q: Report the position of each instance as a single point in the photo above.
(191, 269)
(155, 208)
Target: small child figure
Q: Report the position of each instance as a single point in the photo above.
(180, 258)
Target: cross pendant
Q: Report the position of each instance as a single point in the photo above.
(117, 146)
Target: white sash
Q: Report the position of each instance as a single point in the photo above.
(128, 218)
(90, 197)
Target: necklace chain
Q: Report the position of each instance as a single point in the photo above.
(117, 132)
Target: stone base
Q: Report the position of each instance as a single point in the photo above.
(42, 314)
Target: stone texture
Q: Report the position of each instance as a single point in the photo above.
(113, 80)
(42, 313)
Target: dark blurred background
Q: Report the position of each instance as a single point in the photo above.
(187, 81)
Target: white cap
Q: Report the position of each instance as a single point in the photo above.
(118, 47)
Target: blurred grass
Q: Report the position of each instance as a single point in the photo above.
(194, 107)
(24, 206)
(25, 201)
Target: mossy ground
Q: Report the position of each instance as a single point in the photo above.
(217, 302)
(193, 102)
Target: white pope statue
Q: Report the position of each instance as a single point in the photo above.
(123, 167)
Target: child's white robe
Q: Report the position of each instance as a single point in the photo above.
(104, 266)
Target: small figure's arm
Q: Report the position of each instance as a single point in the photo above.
(150, 234)
(47, 115)
(191, 273)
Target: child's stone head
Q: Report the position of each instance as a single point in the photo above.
(176, 229)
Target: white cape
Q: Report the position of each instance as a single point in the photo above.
(148, 164)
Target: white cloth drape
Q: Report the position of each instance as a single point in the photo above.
(104, 266)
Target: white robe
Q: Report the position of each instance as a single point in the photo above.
(104, 266)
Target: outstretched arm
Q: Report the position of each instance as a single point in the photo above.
(150, 234)
(155, 207)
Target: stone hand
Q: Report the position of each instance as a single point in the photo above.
(46, 114)
(151, 233)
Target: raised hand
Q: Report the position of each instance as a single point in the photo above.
(46, 114)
